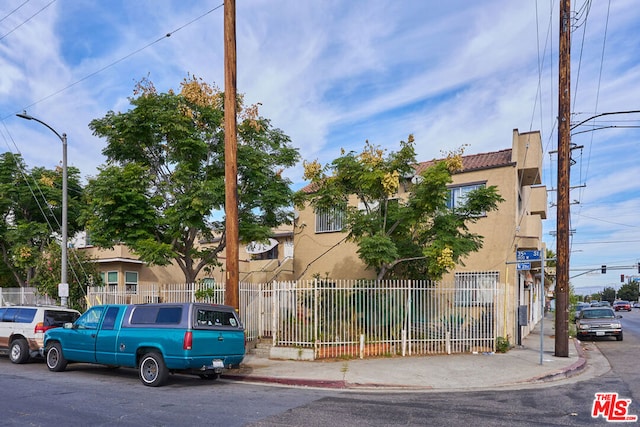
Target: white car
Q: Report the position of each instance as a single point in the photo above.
(22, 328)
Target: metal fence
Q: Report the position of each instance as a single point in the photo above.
(358, 319)
(24, 296)
(350, 318)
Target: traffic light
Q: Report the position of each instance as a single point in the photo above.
(622, 278)
(639, 268)
(604, 269)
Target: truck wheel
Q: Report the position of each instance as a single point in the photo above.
(55, 359)
(19, 351)
(152, 369)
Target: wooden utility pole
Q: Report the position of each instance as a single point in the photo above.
(564, 159)
(230, 156)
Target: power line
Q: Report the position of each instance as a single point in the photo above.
(167, 35)
(27, 20)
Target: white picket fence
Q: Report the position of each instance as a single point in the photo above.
(351, 318)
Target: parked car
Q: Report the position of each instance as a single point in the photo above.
(22, 328)
(636, 304)
(157, 339)
(622, 305)
(595, 322)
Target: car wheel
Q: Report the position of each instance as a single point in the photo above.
(619, 337)
(55, 359)
(19, 351)
(152, 370)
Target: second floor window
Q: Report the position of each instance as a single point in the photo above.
(328, 220)
(458, 195)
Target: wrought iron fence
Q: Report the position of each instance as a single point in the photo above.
(351, 318)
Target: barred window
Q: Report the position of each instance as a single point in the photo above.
(329, 220)
(131, 282)
(475, 288)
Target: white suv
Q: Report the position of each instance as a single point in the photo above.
(22, 328)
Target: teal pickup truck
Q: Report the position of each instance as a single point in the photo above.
(157, 339)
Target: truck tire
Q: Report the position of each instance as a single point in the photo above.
(152, 370)
(55, 359)
(19, 351)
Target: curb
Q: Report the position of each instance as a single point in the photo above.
(567, 372)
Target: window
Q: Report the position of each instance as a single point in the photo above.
(215, 318)
(110, 279)
(131, 282)
(110, 318)
(458, 195)
(90, 319)
(147, 315)
(476, 288)
(329, 220)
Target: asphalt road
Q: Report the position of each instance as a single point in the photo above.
(88, 395)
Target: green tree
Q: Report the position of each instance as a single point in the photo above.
(163, 183)
(609, 294)
(31, 209)
(629, 291)
(417, 237)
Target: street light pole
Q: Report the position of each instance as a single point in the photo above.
(63, 287)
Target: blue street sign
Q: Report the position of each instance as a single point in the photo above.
(528, 256)
(523, 266)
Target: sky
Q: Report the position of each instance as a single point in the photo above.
(333, 74)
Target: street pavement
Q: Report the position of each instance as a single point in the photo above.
(525, 365)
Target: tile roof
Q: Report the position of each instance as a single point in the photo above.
(470, 162)
(473, 162)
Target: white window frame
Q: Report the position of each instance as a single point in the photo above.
(458, 194)
(112, 286)
(330, 220)
(130, 284)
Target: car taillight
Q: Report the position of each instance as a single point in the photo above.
(187, 343)
(40, 328)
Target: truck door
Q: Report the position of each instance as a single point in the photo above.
(106, 340)
(80, 345)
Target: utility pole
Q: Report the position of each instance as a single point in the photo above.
(230, 156)
(564, 164)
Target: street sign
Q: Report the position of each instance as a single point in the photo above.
(528, 255)
(523, 266)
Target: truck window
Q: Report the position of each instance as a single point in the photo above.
(149, 315)
(110, 318)
(90, 319)
(215, 318)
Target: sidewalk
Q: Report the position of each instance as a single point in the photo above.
(518, 367)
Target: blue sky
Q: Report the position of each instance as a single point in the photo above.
(332, 74)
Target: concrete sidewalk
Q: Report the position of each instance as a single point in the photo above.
(519, 367)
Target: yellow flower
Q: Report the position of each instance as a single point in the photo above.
(445, 259)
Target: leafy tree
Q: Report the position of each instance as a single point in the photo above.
(417, 237)
(163, 183)
(629, 291)
(31, 209)
(82, 270)
(609, 294)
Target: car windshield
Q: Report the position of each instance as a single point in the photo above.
(597, 314)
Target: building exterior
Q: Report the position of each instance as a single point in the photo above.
(321, 248)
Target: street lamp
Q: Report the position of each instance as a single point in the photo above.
(63, 287)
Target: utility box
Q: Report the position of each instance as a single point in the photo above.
(523, 315)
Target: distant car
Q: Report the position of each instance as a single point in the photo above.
(605, 304)
(622, 305)
(595, 322)
(636, 304)
(578, 309)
